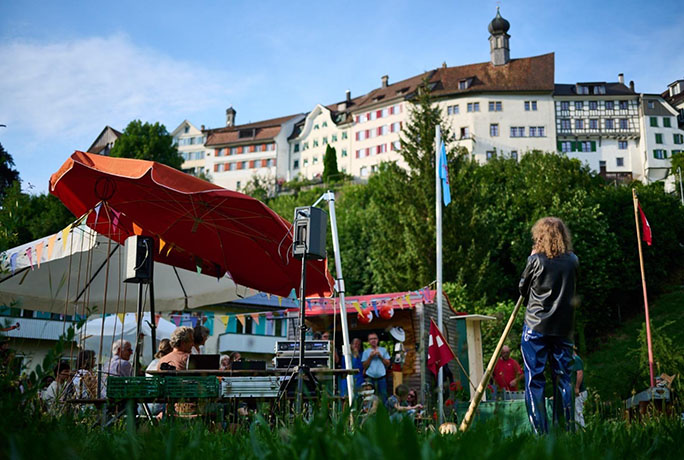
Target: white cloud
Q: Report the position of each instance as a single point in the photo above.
(73, 89)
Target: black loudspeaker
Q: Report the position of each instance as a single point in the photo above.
(139, 259)
(310, 226)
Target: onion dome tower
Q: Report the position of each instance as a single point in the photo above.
(498, 40)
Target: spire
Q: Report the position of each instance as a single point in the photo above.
(498, 40)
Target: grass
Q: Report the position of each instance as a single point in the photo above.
(331, 438)
(613, 371)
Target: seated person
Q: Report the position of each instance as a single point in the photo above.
(56, 390)
(369, 401)
(225, 363)
(397, 404)
(84, 383)
(182, 340)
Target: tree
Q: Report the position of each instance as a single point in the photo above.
(7, 172)
(330, 171)
(145, 141)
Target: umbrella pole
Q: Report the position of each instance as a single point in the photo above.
(153, 322)
(137, 328)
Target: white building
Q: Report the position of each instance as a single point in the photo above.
(598, 123)
(190, 144)
(661, 138)
(674, 95)
(254, 149)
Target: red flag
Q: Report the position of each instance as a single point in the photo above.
(439, 351)
(646, 234)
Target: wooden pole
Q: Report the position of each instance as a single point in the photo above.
(635, 201)
(468, 418)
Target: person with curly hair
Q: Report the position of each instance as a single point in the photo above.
(547, 286)
(182, 340)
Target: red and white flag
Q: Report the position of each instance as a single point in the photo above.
(646, 234)
(439, 351)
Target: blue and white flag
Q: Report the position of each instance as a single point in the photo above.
(444, 175)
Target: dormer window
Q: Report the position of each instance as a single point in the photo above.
(243, 133)
(463, 84)
(377, 98)
(403, 90)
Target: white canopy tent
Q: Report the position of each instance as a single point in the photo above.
(115, 329)
(74, 274)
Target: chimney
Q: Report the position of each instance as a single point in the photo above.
(621, 78)
(230, 116)
(385, 80)
(348, 93)
(631, 85)
(202, 127)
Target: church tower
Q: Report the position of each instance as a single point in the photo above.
(498, 40)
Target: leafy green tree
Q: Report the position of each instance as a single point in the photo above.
(7, 172)
(146, 141)
(330, 171)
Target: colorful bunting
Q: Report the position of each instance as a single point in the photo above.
(357, 306)
(65, 235)
(241, 318)
(97, 211)
(255, 317)
(176, 320)
(39, 252)
(13, 262)
(198, 264)
(136, 229)
(29, 254)
(51, 245)
(375, 308)
(121, 317)
(115, 221)
(161, 245)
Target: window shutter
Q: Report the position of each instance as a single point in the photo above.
(239, 149)
(593, 146)
(216, 168)
(574, 146)
(358, 135)
(251, 164)
(559, 145)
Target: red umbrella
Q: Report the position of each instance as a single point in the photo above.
(195, 224)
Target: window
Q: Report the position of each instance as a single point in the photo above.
(452, 110)
(565, 105)
(624, 123)
(315, 126)
(491, 154)
(587, 146)
(186, 130)
(364, 171)
(565, 124)
(315, 160)
(324, 124)
(315, 142)
(622, 145)
(296, 148)
(344, 134)
(659, 154)
(610, 125)
(593, 123)
(306, 161)
(305, 146)
(666, 122)
(619, 162)
(579, 124)
(532, 105)
(494, 129)
(651, 104)
(536, 131)
(624, 105)
(654, 121)
(295, 164)
(465, 132)
(471, 107)
(233, 166)
(678, 138)
(333, 138)
(610, 105)
(579, 105)
(344, 152)
(593, 105)
(566, 146)
(514, 154)
(517, 131)
(463, 84)
(659, 138)
(325, 141)
(495, 106)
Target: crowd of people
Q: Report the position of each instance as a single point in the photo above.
(547, 286)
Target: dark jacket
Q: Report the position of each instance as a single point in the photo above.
(548, 288)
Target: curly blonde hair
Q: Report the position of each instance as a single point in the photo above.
(551, 237)
(181, 335)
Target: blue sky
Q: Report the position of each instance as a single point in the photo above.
(67, 69)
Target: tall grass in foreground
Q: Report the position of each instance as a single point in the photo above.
(330, 437)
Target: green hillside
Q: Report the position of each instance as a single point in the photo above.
(615, 369)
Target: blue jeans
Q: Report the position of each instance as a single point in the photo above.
(536, 349)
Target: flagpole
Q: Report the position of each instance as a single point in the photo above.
(438, 219)
(635, 201)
